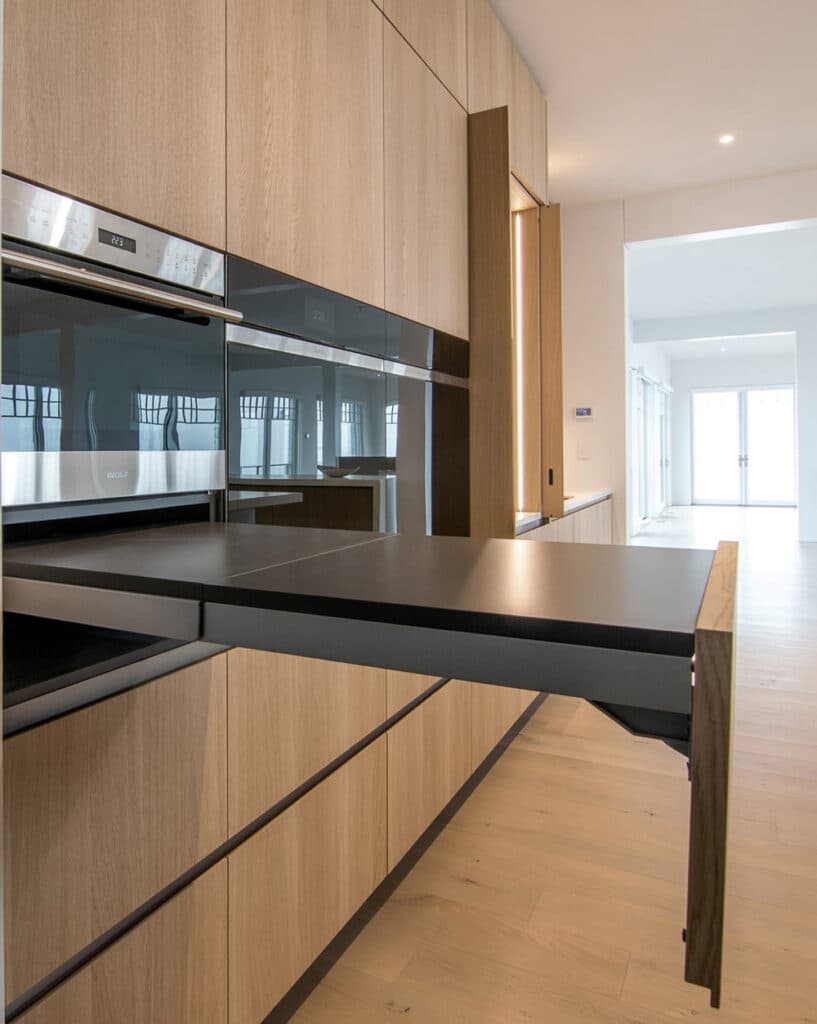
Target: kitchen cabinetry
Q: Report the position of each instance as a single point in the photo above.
(589, 525)
(170, 969)
(403, 687)
(494, 709)
(288, 718)
(499, 77)
(490, 59)
(527, 356)
(121, 104)
(111, 803)
(437, 31)
(528, 131)
(426, 184)
(104, 807)
(516, 335)
(550, 297)
(594, 525)
(305, 140)
(295, 883)
(492, 359)
(429, 759)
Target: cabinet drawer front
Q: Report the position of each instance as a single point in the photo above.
(429, 759)
(288, 718)
(171, 969)
(494, 709)
(104, 807)
(298, 881)
(404, 687)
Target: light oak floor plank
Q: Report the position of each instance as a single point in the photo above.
(556, 893)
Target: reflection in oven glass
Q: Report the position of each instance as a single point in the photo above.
(269, 425)
(178, 422)
(32, 417)
(85, 374)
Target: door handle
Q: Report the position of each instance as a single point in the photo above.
(117, 286)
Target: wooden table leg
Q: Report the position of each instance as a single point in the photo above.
(711, 757)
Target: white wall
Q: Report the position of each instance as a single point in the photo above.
(688, 374)
(594, 365)
(725, 206)
(594, 313)
(653, 360)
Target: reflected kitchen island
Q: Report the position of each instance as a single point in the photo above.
(355, 502)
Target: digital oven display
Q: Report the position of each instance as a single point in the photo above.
(117, 241)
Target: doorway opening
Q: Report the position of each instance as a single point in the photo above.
(726, 325)
(744, 448)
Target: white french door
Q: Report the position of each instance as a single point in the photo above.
(744, 446)
(650, 465)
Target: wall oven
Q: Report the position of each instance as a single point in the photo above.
(113, 356)
(320, 380)
(113, 416)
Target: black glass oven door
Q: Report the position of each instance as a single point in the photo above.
(292, 413)
(105, 397)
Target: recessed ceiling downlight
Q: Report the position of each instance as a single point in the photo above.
(726, 139)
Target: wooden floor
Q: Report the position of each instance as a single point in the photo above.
(556, 894)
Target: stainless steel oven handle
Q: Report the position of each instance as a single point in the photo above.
(141, 292)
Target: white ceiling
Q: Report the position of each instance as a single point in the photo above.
(640, 90)
(724, 348)
(752, 271)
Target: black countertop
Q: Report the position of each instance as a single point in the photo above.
(625, 598)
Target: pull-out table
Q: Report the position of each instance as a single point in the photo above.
(645, 633)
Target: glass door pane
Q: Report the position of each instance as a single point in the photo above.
(770, 446)
(663, 451)
(716, 471)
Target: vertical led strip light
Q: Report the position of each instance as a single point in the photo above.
(520, 417)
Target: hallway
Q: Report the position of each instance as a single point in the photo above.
(556, 893)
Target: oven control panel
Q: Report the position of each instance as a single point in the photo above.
(42, 217)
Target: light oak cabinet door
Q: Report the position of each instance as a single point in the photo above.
(528, 131)
(288, 718)
(305, 140)
(550, 291)
(561, 530)
(492, 409)
(171, 969)
(426, 181)
(593, 525)
(295, 883)
(542, 169)
(437, 31)
(527, 348)
(490, 59)
(494, 709)
(429, 759)
(121, 104)
(104, 807)
(403, 687)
